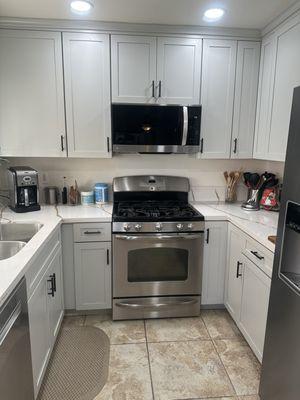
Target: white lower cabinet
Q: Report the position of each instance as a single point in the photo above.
(247, 290)
(92, 275)
(45, 310)
(214, 263)
(234, 283)
(254, 305)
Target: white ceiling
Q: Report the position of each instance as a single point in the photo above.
(239, 13)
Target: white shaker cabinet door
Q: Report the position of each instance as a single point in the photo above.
(178, 70)
(87, 92)
(133, 67)
(254, 308)
(32, 121)
(287, 77)
(92, 275)
(265, 95)
(214, 263)
(246, 83)
(234, 278)
(217, 93)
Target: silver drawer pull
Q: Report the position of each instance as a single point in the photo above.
(157, 305)
(92, 232)
(9, 324)
(255, 253)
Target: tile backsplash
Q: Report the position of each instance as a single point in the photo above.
(206, 176)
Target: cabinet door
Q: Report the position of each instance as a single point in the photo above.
(265, 95)
(214, 263)
(287, 77)
(92, 275)
(87, 92)
(133, 67)
(245, 96)
(39, 332)
(254, 309)
(218, 77)
(55, 301)
(179, 70)
(234, 279)
(32, 119)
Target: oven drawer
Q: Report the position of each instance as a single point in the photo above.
(92, 232)
(157, 264)
(156, 307)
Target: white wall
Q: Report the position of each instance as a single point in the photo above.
(206, 176)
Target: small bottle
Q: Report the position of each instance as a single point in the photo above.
(64, 193)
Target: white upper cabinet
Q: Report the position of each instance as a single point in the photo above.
(265, 93)
(133, 68)
(246, 83)
(287, 77)
(279, 75)
(178, 70)
(217, 94)
(32, 119)
(87, 94)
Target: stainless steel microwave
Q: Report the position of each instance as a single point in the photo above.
(153, 128)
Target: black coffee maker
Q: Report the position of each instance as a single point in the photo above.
(23, 189)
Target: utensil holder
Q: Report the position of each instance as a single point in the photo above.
(230, 196)
(252, 203)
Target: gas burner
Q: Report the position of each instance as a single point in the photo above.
(155, 211)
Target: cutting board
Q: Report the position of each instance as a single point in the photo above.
(272, 239)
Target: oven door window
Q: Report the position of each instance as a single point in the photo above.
(158, 264)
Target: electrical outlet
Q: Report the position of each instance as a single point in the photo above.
(44, 179)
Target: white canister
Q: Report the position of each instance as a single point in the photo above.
(87, 198)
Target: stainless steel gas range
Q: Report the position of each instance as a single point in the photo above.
(157, 248)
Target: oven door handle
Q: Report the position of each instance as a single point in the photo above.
(156, 305)
(186, 236)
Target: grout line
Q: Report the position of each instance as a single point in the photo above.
(151, 380)
(216, 350)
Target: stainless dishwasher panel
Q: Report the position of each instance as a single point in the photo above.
(16, 381)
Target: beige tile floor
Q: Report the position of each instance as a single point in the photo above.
(175, 359)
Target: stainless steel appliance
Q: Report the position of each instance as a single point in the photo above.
(281, 359)
(23, 189)
(16, 380)
(154, 128)
(157, 248)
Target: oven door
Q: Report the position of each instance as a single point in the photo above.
(157, 264)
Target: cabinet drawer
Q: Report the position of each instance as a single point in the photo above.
(92, 232)
(39, 265)
(260, 256)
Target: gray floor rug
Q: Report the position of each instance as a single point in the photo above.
(78, 368)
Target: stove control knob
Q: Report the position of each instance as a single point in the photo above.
(190, 226)
(138, 227)
(126, 227)
(179, 227)
(158, 227)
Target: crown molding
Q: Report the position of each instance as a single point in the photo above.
(287, 14)
(123, 27)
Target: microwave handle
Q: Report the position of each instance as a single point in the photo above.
(185, 125)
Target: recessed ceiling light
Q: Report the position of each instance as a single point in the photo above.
(81, 6)
(213, 14)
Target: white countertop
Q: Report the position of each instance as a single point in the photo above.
(257, 224)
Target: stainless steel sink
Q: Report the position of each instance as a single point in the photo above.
(10, 248)
(19, 231)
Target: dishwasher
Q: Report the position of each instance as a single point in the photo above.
(16, 380)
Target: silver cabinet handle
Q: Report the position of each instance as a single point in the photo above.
(9, 324)
(238, 265)
(92, 232)
(235, 146)
(160, 237)
(156, 305)
(201, 145)
(153, 89)
(108, 144)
